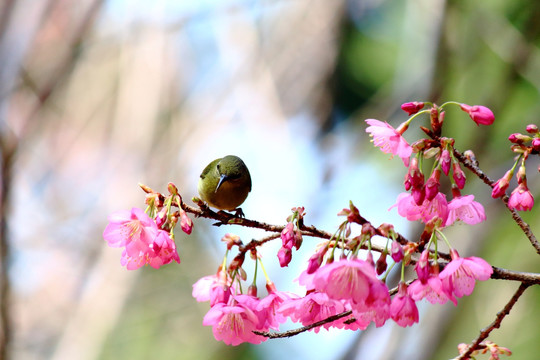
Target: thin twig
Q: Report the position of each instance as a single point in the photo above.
(484, 333)
(289, 333)
(302, 329)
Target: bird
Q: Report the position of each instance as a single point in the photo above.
(225, 183)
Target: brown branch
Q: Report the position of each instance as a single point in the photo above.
(302, 329)
(484, 333)
(224, 218)
(517, 218)
(289, 333)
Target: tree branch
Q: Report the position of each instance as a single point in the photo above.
(517, 218)
(484, 333)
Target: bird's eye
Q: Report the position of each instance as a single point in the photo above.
(218, 168)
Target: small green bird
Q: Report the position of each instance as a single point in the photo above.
(225, 183)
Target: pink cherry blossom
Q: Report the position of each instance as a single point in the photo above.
(408, 208)
(271, 304)
(203, 287)
(144, 243)
(213, 288)
(458, 277)
(315, 306)
(521, 198)
(160, 252)
(163, 250)
(233, 323)
(481, 115)
(346, 280)
(403, 308)
(306, 279)
(375, 308)
(432, 290)
(389, 140)
(464, 208)
(133, 228)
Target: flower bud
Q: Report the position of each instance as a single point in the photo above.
(422, 267)
(532, 129)
(185, 222)
(481, 115)
(433, 184)
(387, 230)
(536, 144)
(458, 175)
(518, 138)
(252, 290)
(412, 107)
(445, 161)
(173, 190)
(284, 256)
(231, 240)
(396, 251)
(381, 265)
(270, 287)
(161, 217)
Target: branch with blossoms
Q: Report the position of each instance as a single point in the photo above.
(345, 284)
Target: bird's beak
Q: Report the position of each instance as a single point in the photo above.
(222, 178)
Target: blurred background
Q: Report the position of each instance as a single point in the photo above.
(96, 96)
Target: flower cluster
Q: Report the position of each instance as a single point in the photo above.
(456, 280)
(291, 236)
(148, 241)
(425, 202)
(521, 198)
(144, 243)
(346, 287)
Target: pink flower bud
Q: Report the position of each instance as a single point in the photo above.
(231, 240)
(445, 161)
(396, 251)
(458, 175)
(414, 178)
(161, 217)
(185, 222)
(287, 236)
(536, 144)
(172, 188)
(412, 107)
(521, 198)
(297, 239)
(500, 186)
(518, 138)
(481, 115)
(532, 129)
(284, 256)
(433, 184)
(252, 290)
(381, 265)
(422, 267)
